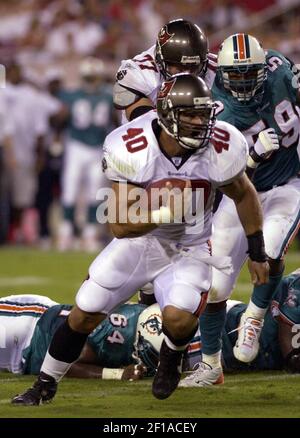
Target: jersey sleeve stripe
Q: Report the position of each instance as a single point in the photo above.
(212, 67)
(195, 346)
(10, 308)
(212, 57)
(212, 61)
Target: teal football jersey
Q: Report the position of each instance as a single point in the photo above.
(90, 117)
(275, 109)
(33, 355)
(285, 305)
(113, 339)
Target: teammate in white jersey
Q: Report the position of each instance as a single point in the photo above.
(181, 46)
(180, 140)
(19, 316)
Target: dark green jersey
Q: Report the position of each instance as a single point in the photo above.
(285, 306)
(112, 340)
(90, 115)
(275, 109)
(33, 356)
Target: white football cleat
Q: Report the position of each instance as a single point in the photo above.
(247, 344)
(204, 376)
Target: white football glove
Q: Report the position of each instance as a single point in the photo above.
(267, 141)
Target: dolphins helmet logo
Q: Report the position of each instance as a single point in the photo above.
(153, 324)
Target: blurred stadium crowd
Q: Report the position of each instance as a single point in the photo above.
(46, 47)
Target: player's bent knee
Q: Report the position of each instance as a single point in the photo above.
(185, 297)
(93, 298)
(178, 322)
(217, 296)
(221, 286)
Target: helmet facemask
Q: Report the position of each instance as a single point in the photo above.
(194, 133)
(148, 338)
(244, 82)
(145, 353)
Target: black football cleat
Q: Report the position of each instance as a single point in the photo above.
(42, 391)
(168, 372)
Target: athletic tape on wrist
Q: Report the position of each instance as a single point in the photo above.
(112, 373)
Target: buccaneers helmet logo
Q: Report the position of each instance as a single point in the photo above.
(164, 36)
(165, 89)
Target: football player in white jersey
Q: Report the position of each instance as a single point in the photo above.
(181, 46)
(19, 315)
(180, 140)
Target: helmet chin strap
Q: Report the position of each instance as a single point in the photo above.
(189, 143)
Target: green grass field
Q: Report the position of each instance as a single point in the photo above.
(59, 276)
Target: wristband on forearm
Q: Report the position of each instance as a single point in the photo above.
(112, 373)
(254, 159)
(256, 247)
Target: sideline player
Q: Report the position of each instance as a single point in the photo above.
(90, 115)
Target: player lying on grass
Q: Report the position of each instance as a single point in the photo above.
(133, 333)
(27, 325)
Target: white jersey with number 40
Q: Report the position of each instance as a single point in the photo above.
(132, 154)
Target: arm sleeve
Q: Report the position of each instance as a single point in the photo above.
(115, 165)
(131, 77)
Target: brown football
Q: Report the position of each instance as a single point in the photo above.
(176, 182)
(156, 200)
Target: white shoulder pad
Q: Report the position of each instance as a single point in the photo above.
(228, 154)
(123, 97)
(126, 149)
(140, 73)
